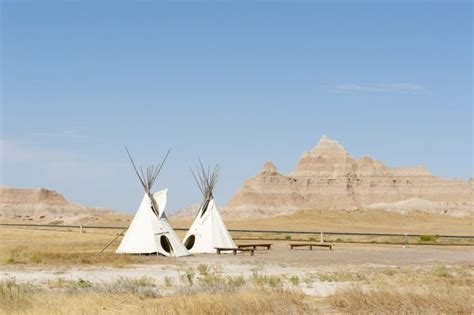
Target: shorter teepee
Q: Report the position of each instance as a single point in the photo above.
(150, 231)
(207, 230)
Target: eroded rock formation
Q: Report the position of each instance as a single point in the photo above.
(15, 196)
(48, 206)
(327, 177)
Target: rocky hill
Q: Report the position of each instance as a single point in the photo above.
(48, 206)
(328, 177)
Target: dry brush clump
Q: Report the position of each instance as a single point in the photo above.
(340, 276)
(208, 279)
(142, 287)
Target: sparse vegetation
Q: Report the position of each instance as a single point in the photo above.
(429, 238)
(168, 282)
(142, 287)
(36, 258)
(59, 283)
(440, 271)
(294, 280)
(266, 280)
(81, 283)
(61, 248)
(383, 290)
(203, 269)
(93, 302)
(10, 261)
(237, 281)
(13, 295)
(188, 277)
(308, 280)
(339, 276)
(394, 298)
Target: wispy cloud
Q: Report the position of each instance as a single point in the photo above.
(68, 134)
(388, 87)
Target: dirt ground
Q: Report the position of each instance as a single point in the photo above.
(41, 270)
(280, 260)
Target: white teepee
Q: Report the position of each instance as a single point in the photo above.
(150, 231)
(208, 230)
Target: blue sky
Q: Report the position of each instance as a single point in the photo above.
(234, 83)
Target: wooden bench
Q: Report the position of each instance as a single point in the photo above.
(310, 245)
(234, 250)
(254, 246)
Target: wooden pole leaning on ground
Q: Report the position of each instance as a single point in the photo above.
(110, 243)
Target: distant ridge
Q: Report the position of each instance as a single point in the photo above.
(12, 196)
(328, 177)
(49, 206)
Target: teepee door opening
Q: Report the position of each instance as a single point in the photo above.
(189, 242)
(165, 244)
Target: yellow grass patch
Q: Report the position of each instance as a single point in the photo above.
(56, 247)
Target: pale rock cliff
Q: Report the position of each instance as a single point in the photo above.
(327, 177)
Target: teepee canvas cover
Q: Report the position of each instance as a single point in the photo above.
(150, 231)
(208, 230)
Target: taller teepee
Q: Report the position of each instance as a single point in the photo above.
(208, 230)
(150, 231)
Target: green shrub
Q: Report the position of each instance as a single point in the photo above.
(270, 280)
(203, 269)
(237, 281)
(339, 276)
(428, 238)
(168, 282)
(294, 280)
(188, 277)
(36, 258)
(83, 284)
(440, 271)
(10, 260)
(17, 254)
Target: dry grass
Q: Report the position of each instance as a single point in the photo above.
(140, 296)
(434, 290)
(440, 290)
(53, 247)
(356, 221)
(426, 300)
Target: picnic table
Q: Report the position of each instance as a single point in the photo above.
(234, 250)
(310, 245)
(254, 246)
